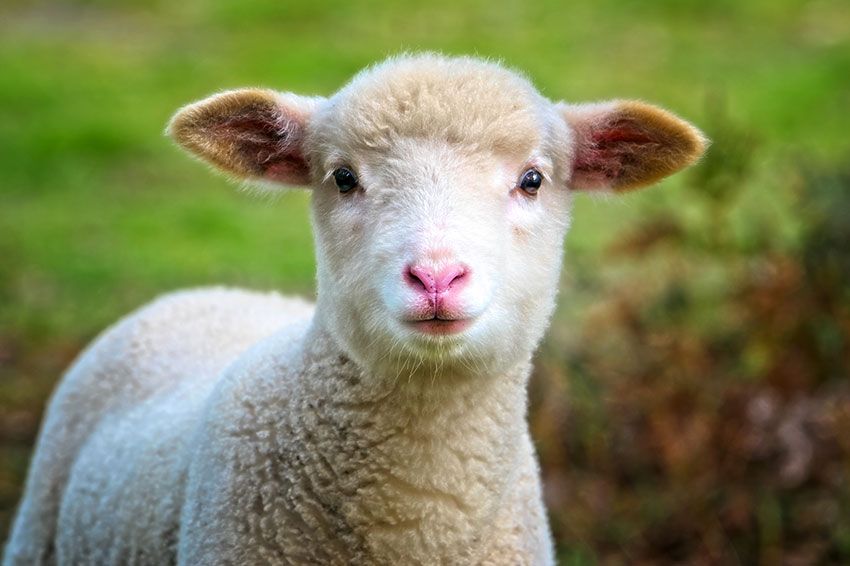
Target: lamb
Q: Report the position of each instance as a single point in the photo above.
(387, 423)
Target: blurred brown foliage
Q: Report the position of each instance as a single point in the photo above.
(699, 413)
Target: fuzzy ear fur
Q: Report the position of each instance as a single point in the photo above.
(252, 134)
(624, 145)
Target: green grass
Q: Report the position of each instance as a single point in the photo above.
(99, 212)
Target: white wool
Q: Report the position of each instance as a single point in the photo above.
(220, 426)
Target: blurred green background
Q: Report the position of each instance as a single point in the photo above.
(691, 403)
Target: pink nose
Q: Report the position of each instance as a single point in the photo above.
(433, 282)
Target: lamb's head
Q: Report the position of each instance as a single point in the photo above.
(441, 197)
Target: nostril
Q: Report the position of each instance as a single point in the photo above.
(450, 277)
(456, 278)
(420, 278)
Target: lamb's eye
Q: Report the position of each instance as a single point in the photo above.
(345, 179)
(531, 181)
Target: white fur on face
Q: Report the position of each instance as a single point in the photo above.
(438, 187)
(428, 202)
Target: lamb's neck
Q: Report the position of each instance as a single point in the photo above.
(417, 468)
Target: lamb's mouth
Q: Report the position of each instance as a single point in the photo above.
(439, 326)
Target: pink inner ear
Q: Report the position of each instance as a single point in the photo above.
(618, 135)
(291, 169)
(594, 169)
(269, 143)
(600, 162)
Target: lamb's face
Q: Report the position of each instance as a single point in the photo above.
(441, 198)
(438, 254)
(439, 233)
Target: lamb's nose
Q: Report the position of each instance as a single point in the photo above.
(431, 281)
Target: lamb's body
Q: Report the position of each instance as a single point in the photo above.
(290, 456)
(388, 426)
(122, 414)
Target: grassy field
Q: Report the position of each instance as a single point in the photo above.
(99, 212)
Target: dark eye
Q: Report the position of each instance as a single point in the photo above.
(531, 181)
(345, 179)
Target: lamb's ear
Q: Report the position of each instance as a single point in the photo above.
(252, 134)
(623, 145)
